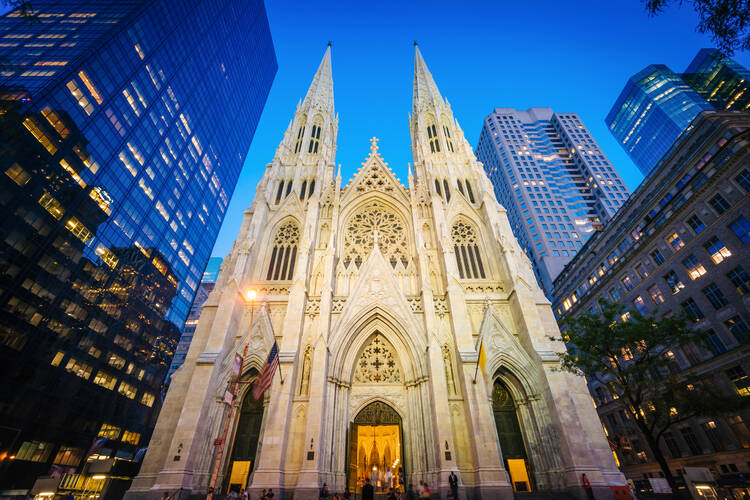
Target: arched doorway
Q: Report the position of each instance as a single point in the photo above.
(245, 445)
(375, 447)
(510, 437)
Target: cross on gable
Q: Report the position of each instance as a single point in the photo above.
(374, 144)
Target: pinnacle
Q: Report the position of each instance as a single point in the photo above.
(425, 88)
(320, 93)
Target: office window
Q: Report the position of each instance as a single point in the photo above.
(131, 437)
(743, 179)
(719, 203)
(692, 441)
(692, 310)
(627, 282)
(655, 294)
(147, 399)
(673, 281)
(694, 267)
(715, 344)
(740, 380)
(717, 250)
(715, 296)
(738, 328)
(105, 380)
(675, 241)
(696, 224)
(614, 294)
(657, 257)
(740, 279)
(127, 390)
(640, 305)
(68, 455)
(34, 451)
(78, 368)
(741, 229)
(109, 431)
(641, 270)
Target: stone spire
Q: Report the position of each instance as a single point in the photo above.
(426, 92)
(320, 94)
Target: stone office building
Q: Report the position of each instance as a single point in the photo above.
(681, 243)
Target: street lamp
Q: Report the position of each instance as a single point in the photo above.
(248, 297)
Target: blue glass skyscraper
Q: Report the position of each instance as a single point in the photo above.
(123, 129)
(657, 105)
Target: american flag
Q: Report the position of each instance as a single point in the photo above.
(269, 370)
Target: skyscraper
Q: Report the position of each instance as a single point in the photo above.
(553, 179)
(124, 128)
(657, 105)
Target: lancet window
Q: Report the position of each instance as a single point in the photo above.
(306, 190)
(432, 136)
(375, 222)
(284, 253)
(437, 188)
(448, 139)
(469, 191)
(447, 191)
(300, 135)
(280, 191)
(314, 139)
(466, 247)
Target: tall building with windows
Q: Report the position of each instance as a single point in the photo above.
(188, 330)
(553, 179)
(681, 244)
(124, 126)
(657, 105)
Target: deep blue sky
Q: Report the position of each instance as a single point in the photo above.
(570, 56)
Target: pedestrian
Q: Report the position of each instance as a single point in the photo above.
(427, 492)
(401, 479)
(410, 494)
(368, 493)
(389, 478)
(391, 495)
(269, 495)
(420, 488)
(453, 482)
(262, 495)
(336, 496)
(346, 495)
(324, 491)
(587, 487)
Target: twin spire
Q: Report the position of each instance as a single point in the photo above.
(320, 94)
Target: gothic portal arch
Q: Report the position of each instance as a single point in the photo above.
(248, 427)
(510, 435)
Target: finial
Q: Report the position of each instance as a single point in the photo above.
(329, 43)
(415, 43)
(374, 145)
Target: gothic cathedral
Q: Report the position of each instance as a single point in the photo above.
(379, 297)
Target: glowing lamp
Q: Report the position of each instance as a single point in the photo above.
(251, 294)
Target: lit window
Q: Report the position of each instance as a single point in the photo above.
(109, 431)
(34, 451)
(673, 281)
(740, 380)
(131, 437)
(67, 455)
(102, 198)
(147, 399)
(86, 81)
(675, 241)
(655, 294)
(56, 122)
(640, 305)
(694, 267)
(58, 358)
(107, 256)
(72, 172)
(33, 127)
(105, 380)
(78, 368)
(18, 174)
(78, 229)
(126, 390)
(717, 250)
(52, 206)
(78, 95)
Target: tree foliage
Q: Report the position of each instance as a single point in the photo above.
(727, 21)
(632, 355)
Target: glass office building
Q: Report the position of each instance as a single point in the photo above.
(553, 179)
(123, 129)
(657, 105)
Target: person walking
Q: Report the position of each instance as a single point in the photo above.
(453, 482)
(427, 492)
(410, 493)
(368, 493)
(324, 491)
(389, 478)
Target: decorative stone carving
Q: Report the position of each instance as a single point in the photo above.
(375, 218)
(415, 303)
(449, 378)
(312, 308)
(304, 385)
(377, 413)
(441, 306)
(338, 305)
(378, 364)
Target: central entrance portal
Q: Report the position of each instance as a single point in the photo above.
(375, 448)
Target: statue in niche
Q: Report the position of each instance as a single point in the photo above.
(304, 385)
(449, 369)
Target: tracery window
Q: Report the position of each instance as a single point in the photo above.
(314, 139)
(378, 363)
(469, 191)
(448, 139)
(375, 221)
(437, 188)
(432, 136)
(447, 191)
(466, 246)
(284, 253)
(300, 135)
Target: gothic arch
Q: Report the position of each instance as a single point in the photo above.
(472, 257)
(269, 244)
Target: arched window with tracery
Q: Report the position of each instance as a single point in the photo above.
(314, 138)
(466, 247)
(284, 253)
(448, 139)
(432, 137)
(375, 221)
(298, 143)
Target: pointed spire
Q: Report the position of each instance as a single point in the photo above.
(425, 89)
(320, 94)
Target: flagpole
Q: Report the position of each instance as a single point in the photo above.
(479, 355)
(227, 422)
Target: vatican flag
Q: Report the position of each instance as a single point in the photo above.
(481, 360)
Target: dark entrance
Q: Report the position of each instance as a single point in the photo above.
(511, 439)
(242, 459)
(375, 445)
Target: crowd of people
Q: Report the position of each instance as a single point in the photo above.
(397, 491)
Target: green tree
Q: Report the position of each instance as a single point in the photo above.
(632, 356)
(727, 21)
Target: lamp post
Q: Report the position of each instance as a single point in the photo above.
(250, 298)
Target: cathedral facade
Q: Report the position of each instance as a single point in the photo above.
(380, 298)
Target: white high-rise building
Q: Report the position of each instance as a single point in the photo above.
(379, 296)
(554, 180)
